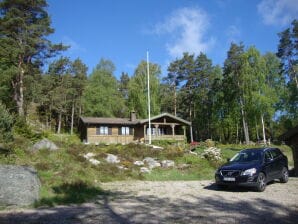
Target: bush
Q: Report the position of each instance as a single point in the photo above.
(212, 154)
(209, 143)
(23, 129)
(6, 123)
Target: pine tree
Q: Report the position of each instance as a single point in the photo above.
(23, 43)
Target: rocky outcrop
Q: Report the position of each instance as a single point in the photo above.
(151, 162)
(19, 185)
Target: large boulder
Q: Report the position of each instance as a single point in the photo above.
(45, 144)
(19, 185)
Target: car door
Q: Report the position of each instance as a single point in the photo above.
(269, 165)
(277, 163)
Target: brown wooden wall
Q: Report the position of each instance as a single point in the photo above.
(114, 138)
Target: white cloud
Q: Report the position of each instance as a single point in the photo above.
(187, 31)
(74, 46)
(233, 34)
(278, 12)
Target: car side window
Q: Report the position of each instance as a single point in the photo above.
(275, 153)
(268, 156)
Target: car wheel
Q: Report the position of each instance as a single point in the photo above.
(284, 175)
(261, 182)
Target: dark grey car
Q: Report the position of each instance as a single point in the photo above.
(254, 168)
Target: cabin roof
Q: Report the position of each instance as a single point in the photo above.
(108, 120)
(166, 115)
(128, 121)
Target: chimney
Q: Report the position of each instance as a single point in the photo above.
(133, 116)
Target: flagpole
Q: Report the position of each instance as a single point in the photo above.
(148, 88)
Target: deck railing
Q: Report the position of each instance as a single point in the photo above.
(166, 137)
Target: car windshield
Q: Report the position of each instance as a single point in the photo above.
(247, 156)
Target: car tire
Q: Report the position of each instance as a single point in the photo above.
(261, 182)
(284, 175)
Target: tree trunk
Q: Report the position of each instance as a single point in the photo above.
(190, 117)
(72, 118)
(257, 131)
(237, 133)
(59, 123)
(296, 81)
(175, 101)
(263, 127)
(18, 86)
(245, 126)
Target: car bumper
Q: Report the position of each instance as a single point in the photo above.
(248, 181)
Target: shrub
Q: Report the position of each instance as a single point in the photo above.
(6, 123)
(23, 129)
(212, 154)
(209, 143)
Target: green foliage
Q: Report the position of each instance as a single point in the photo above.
(24, 28)
(22, 128)
(6, 123)
(101, 97)
(137, 90)
(254, 96)
(287, 52)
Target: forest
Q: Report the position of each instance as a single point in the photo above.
(251, 97)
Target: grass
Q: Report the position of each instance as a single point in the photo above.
(67, 177)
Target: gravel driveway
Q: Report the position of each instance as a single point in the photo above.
(173, 202)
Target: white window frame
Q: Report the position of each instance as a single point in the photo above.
(124, 130)
(103, 130)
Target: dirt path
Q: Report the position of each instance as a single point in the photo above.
(173, 202)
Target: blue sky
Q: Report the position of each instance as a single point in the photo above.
(123, 30)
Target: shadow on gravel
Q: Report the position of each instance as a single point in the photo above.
(122, 207)
(292, 173)
(214, 187)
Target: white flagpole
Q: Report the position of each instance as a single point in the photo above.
(148, 88)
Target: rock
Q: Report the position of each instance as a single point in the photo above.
(19, 185)
(122, 168)
(45, 144)
(139, 163)
(89, 155)
(94, 161)
(157, 147)
(112, 159)
(152, 163)
(167, 163)
(145, 170)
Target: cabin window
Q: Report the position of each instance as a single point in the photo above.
(125, 131)
(102, 130)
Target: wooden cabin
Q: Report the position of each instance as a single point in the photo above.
(125, 130)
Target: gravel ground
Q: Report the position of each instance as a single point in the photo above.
(172, 202)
